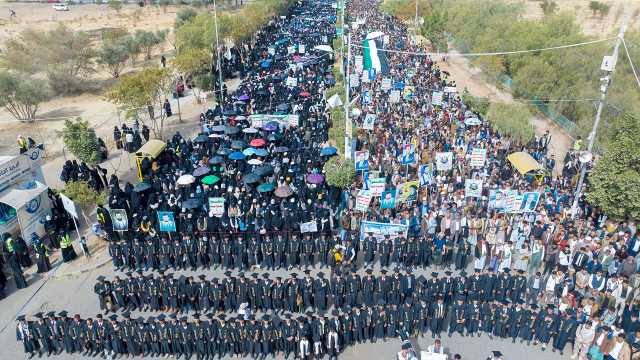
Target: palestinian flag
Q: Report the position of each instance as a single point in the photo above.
(374, 57)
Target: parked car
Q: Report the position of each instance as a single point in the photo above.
(60, 7)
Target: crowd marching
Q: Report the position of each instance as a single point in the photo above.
(249, 194)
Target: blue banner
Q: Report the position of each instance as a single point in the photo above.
(380, 230)
(166, 221)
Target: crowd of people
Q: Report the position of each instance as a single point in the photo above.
(249, 193)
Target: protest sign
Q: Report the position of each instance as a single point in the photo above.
(473, 188)
(377, 186)
(363, 200)
(530, 201)
(292, 81)
(444, 161)
(308, 227)
(386, 84)
(408, 155)
(407, 192)
(436, 98)
(354, 80)
(361, 160)
(380, 230)
(394, 96)
(424, 174)
(388, 199)
(216, 206)
(366, 97)
(369, 121)
(497, 199)
(478, 157)
(119, 219)
(166, 221)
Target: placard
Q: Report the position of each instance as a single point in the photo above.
(377, 186)
(363, 200)
(69, 205)
(473, 188)
(216, 206)
(354, 80)
(166, 221)
(361, 160)
(388, 199)
(369, 121)
(450, 89)
(530, 201)
(407, 192)
(308, 227)
(444, 161)
(292, 81)
(386, 84)
(408, 155)
(119, 219)
(436, 98)
(478, 157)
(424, 174)
(394, 96)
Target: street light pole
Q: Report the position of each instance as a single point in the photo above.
(347, 119)
(606, 81)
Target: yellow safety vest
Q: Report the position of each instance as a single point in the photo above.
(65, 242)
(22, 143)
(9, 244)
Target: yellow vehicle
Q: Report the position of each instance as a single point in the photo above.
(150, 151)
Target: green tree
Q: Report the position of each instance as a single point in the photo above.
(133, 47)
(185, 16)
(615, 179)
(148, 40)
(512, 120)
(113, 56)
(115, 5)
(81, 140)
(340, 172)
(549, 7)
(85, 196)
(192, 63)
(477, 104)
(21, 95)
(599, 7)
(146, 89)
(64, 55)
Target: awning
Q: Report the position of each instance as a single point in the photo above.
(16, 197)
(524, 163)
(151, 149)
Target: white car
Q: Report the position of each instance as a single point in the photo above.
(60, 7)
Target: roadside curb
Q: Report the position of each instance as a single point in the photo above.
(78, 273)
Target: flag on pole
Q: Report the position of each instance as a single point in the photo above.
(374, 56)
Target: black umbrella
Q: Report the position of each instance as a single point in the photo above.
(282, 107)
(140, 187)
(231, 130)
(230, 112)
(201, 139)
(251, 178)
(216, 160)
(238, 145)
(224, 151)
(191, 204)
(264, 170)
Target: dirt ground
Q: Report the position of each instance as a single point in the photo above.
(591, 25)
(86, 17)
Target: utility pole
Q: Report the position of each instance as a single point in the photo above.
(415, 23)
(347, 119)
(608, 65)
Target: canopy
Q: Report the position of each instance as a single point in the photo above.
(523, 162)
(16, 197)
(151, 149)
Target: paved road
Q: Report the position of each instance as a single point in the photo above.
(76, 296)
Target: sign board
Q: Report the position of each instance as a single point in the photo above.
(369, 121)
(388, 199)
(444, 161)
(258, 120)
(424, 174)
(407, 192)
(473, 188)
(529, 201)
(292, 81)
(69, 205)
(308, 227)
(363, 200)
(450, 89)
(362, 160)
(394, 96)
(408, 155)
(436, 98)
(478, 157)
(380, 230)
(386, 84)
(216, 206)
(377, 186)
(119, 219)
(166, 221)
(354, 80)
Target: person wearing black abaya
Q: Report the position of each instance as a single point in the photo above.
(18, 277)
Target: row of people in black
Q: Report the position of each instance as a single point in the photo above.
(305, 337)
(293, 294)
(278, 251)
